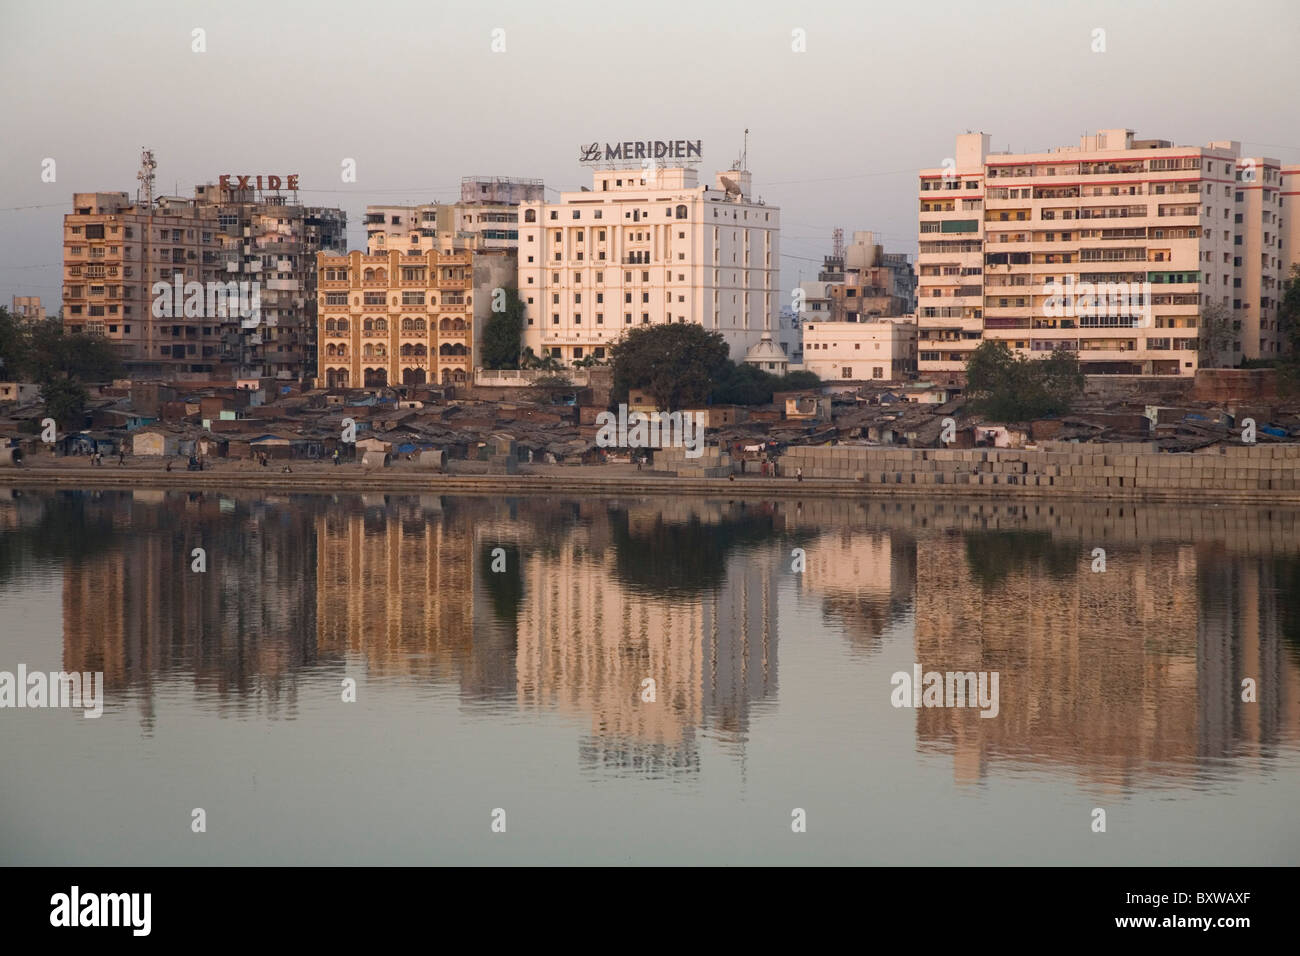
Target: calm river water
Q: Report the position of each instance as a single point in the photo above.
(504, 653)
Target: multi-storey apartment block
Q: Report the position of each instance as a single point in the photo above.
(1116, 249)
(395, 319)
(644, 247)
(487, 217)
(28, 308)
(268, 239)
(113, 253)
(117, 251)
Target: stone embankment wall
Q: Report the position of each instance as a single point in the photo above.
(1080, 468)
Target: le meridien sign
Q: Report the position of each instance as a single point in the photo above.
(640, 149)
(256, 182)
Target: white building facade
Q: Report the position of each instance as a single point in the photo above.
(648, 245)
(879, 351)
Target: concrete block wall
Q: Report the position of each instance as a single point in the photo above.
(1111, 468)
(712, 464)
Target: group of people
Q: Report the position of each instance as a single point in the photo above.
(97, 458)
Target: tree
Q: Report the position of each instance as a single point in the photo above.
(1289, 313)
(676, 363)
(1010, 388)
(499, 347)
(1217, 336)
(12, 338)
(43, 352)
(65, 401)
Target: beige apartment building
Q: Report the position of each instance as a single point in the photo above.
(28, 308)
(395, 319)
(486, 218)
(114, 250)
(270, 239)
(648, 246)
(1142, 236)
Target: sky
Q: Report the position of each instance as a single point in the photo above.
(416, 95)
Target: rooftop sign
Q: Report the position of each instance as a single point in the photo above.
(639, 149)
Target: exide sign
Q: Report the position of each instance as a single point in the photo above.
(260, 182)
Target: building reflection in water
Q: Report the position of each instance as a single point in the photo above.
(1133, 672)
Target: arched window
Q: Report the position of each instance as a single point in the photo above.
(329, 325)
(530, 215)
(408, 324)
(368, 274)
(681, 212)
(381, 352)
(419, 325)
(368, 351)
(329, 350)
(381, 275)
(343, 351)
(368, 325)
(381, 325)
(343, 325)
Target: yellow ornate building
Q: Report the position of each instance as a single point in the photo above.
(395, 319)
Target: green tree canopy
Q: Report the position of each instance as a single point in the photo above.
(677, 364)
(502, 332)
(43, 351)
(65, 401)
(1011, 388)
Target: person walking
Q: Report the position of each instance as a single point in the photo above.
(121, 457)
(798, 474)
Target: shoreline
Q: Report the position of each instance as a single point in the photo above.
(582, 480)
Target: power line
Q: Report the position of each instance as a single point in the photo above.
(48, 205)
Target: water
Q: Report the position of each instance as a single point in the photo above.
(522, 690)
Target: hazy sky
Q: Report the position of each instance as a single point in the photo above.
(413, 92)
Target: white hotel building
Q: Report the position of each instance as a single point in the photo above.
(645, 246)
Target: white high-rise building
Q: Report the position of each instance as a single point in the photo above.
(648, 245)
(1149, 240)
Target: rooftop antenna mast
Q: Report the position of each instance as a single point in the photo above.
(837, 243)
(146, 176)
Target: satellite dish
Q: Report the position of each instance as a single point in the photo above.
(730, 185)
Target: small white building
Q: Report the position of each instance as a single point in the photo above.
(881, 351)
